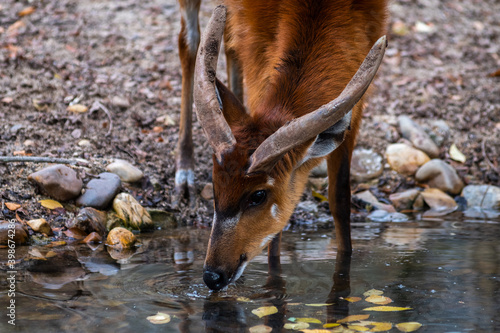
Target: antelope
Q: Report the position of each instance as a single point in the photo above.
(306, 65)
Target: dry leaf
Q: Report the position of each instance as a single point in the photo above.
(50, 204)
(50, 254)
(380, 327)
(75, 233)
(35, 253)
(378, 299)
(494, 74)
(318, 304)
(456, 154)
(316, 331)
(353, 299)
(260, 329)
(77, 108)
(372, 292)
(308, 320)
(7, 100)
(351, 318)
(265, 311)
(56, 244)
(159, 318)
(26, 11)
(408, 327)
(243, 299)
(330, 325)
(358, 328)
(319, 196)
(12, 205)
(296, 326)
(386, 308)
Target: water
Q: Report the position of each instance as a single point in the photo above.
(448, 273)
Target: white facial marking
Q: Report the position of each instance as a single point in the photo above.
(274, 211)
(238, 273)
(270, 181)
(266, 240)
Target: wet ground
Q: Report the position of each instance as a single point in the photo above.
(447, 272)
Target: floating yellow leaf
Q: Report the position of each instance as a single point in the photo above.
(376, 326)
(50, 204)
(50, 254)
(56, 244)
(352, 318)
(353, 299)
(308, 320)
(386, 308)
(358, 328)
(36, 254)
(372, 292)
(408, 327)
(316, 331)
(260, 329)
(265, 311)
(456, 154)
(159, 318)
(12, 205)
(296, 326)
(77, 108)
(378, 299)
(243, 299)
(319, 196)
(318, 304)
(330, 325)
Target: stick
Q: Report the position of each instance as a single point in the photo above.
(483, 148)
(98, 105)
(39, 159)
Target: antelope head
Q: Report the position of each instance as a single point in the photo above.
(260, 165)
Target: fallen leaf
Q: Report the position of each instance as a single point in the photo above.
(26, 11)
(380, 326)
(372, 292)
(352, 318)
(50, 254)
(319, 196)
(50, 204)
(296, 326)
(318, 304)
(265, 311)
(456, 154)
(358, 328)
(330, 325)
(408, 327)
(12, 205)
(77, 108)
(308, 320)
(12, 29)
(56, 244)
(316, 331)
(386, 308)
(93, 237)
(353, 299)
(243, 299)
(7, 100)
(75, 233)
(35, 253)
(260, 329)
(159, 318)
(494, 74)
(378, 299)
(400, 29)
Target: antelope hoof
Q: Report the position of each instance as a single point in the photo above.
(184, 188)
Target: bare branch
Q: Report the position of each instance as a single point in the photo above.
(40, 159)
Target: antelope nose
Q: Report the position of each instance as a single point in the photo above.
(215, 279)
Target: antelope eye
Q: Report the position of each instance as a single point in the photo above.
(257, 198)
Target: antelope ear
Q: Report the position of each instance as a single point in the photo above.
(234, 112)
(329, 140)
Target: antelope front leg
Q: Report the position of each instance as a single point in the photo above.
(189, 38)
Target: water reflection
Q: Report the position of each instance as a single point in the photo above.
(447, 272)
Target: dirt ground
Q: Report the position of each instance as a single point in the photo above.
(123, 54)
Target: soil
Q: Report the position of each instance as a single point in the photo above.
(123, 55)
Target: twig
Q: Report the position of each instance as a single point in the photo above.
(483, 149)
(98, 105)
(39, 159)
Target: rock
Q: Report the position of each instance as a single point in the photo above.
(113, 221)
(20, 234)
(100, 192)
(484, 196)
(163, 219)
(208, 192)
(121, 238)
(404, 200)
(90, 220)
(321, 170)
(93, 237)
(405, 159)
(480, 213)
(368, 197)
(416, 134)
(58, 181)
(126, 171)
(131, 212)
(308, 206)
(41, 226)
(440, 131)
(365, 165)
(438, 200)
(84, 143)
(120, 102)
(441, 175)
(383, 216)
